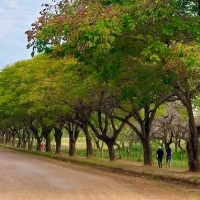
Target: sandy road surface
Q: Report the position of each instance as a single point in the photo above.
(28, 177)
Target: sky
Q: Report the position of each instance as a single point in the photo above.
(16, 17)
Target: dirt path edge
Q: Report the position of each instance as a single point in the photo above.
(179, 178)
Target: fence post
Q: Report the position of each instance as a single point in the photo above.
(81, 151)
(131, 153)
(120, 157)
(181, 159)
(102, 152)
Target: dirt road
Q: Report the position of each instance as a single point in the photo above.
(28, 177)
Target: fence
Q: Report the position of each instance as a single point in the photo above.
(179, 159)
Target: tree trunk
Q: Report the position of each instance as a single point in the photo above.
(89, 150)
(48, 143)
(19, 144)
(3, 137)
(29, 140)
(30, 143)
(38, 147)
(96, 140)
(73, 136)
(37, 137)
(192, 141)
(46, 130)
(72, 147)
(97, 145)
(192, 152)
(13, 141)
(192, 144)
(7, 138)
(58, 137)
(58, 146)
(176, 145)
(147, 150)
(110, 144)
(24, 139)
(24, 144)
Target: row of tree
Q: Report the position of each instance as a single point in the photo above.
(46, 95)
(110, 64)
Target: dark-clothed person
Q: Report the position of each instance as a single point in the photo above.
(168, 157)
(160, 156)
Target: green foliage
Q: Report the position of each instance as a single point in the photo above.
(135, 51)
(39, 87)
(127, 32)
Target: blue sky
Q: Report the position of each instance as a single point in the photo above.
(16, 17)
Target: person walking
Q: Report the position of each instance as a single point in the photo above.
(168, 157)
(159, 156)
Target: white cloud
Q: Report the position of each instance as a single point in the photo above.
(12, 3)
(1, 10)
(7, 27)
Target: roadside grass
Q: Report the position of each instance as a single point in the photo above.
(179, 159)
(91, 162)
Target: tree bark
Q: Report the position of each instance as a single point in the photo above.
(58, 136)
(176, 144)
(73, 136)
(185, 96)
(147, 151)
(89, 150)
(192, 141)
(24, 139)
(192, 144)
(110, 144)
(19, 144)
(7, 138)
(36, 134)
(48, 143)
(72, 144)
(38, 147)
(13, 141)
(102, 132)
(29, 140)
(46, 130)
(58, 145)
(3, 136)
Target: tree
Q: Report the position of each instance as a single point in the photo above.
(185, 82)
(58, 127)
(93, 51)
(101, 130)
(171, 127)
(98, 30)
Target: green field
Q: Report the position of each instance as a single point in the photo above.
(136, 153)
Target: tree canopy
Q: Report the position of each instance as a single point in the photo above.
(109, 60)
